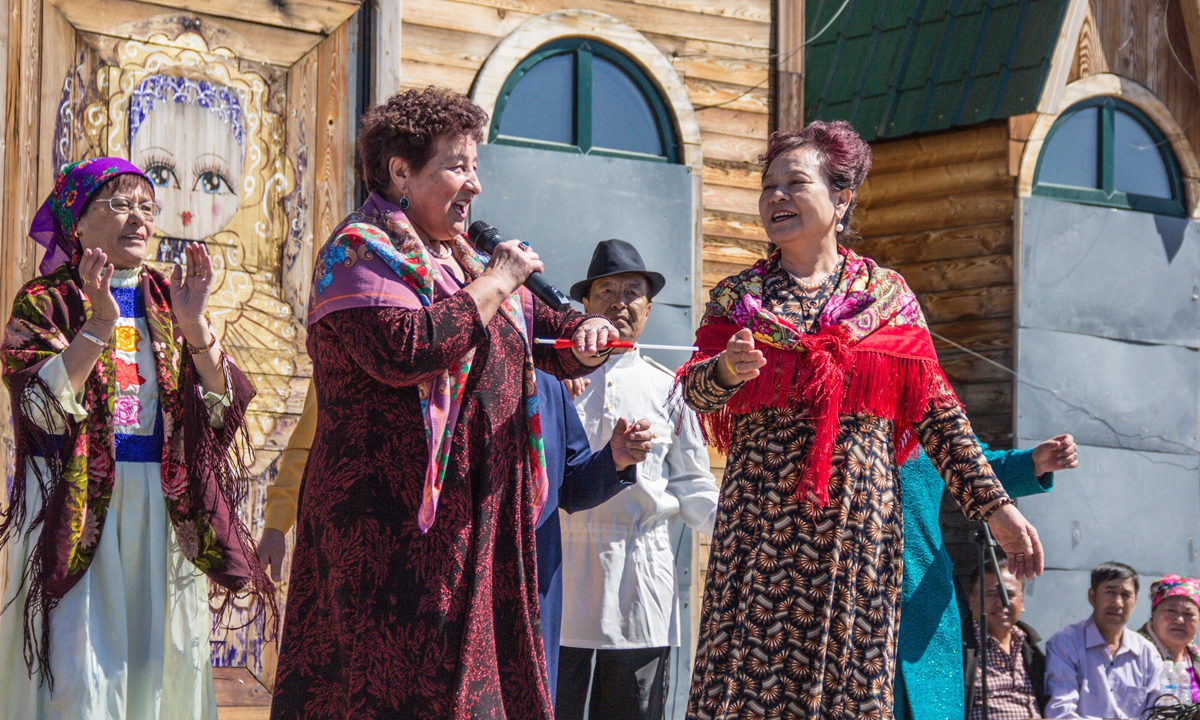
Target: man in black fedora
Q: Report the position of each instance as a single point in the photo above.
(620, 595)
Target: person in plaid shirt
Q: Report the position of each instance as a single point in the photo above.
(1016, 668)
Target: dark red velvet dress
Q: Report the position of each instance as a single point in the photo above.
(383, 621)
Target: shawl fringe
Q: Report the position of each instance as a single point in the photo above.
(224, 454)
(31, 395)
(828, 377)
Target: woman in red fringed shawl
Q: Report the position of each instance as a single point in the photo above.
(126, 487)
(817, 376)
(413, 591)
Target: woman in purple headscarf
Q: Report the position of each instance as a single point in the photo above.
(125, 409)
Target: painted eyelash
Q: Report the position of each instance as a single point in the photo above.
(159, 160)
(214, 167)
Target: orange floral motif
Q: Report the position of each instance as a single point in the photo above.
(127, 374)
(127, 338)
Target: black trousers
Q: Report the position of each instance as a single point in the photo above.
(626, 685)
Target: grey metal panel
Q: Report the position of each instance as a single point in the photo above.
(563, 204)
(1059, 598)
(1107, 272)
(1140, 508)
(1107, 392)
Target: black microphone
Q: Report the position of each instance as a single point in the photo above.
(485, 238)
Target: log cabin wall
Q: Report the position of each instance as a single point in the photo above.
(939, 210)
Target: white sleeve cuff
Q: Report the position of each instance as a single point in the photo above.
(54, 374)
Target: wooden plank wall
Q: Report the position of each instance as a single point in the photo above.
(1147, 41)
(939, 209)
(718, 47)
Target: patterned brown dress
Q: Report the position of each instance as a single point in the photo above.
(799, 617)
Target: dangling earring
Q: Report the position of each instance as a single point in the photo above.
(840, 226)
(403, 202)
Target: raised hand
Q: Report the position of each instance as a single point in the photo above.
(1019, 540)
(190, 293)
(630, 443)
(739, 361)
(95, 274)
(1057, 453)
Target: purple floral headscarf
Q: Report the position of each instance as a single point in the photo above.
(54, 225)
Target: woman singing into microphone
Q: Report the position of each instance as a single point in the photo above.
(414, 580)
(817, 375)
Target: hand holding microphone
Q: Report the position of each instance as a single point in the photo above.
(487, 239)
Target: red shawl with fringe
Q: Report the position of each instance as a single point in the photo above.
(203, 478)
(872, 354)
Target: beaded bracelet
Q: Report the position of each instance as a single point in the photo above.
(992, 510)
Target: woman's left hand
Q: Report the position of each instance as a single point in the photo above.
(1057, 453)
(592, 337)
(190, 293)
(1019, 540)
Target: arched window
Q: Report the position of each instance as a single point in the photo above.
(1104, 151)
(579, 95)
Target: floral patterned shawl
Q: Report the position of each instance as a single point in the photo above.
(202, 482)
(375, 259)
(872, 354)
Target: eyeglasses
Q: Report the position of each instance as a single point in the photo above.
(124, 206)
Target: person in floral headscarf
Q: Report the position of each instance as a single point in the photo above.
(125, 410)
(816, 375)
(1174, 619)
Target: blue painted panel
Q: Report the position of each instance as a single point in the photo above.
(563, 204)
(1139, 508)
(1107, 392)
(1113, 273)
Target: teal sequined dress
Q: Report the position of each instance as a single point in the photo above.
(929, 671)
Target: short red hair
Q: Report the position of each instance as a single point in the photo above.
(844, 156)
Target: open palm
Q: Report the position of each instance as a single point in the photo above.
(190, 291)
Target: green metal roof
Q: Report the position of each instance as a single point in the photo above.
(898, 67)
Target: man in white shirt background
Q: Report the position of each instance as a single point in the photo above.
(620, 594)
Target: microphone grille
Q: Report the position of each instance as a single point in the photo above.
(477, 229)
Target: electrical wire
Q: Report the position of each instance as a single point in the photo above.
(785, 56)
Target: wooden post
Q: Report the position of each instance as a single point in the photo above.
(386, 73)
(789, 65)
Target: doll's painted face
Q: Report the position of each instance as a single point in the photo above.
(188, 137)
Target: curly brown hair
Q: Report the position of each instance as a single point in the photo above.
(408, 125)
(845, 157)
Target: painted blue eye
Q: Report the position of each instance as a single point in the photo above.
(211, 182)
(162, 175)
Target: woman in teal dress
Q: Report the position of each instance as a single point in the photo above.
(929, 672)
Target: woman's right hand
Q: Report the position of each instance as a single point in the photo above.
(95, 273)
(739, 361)
(512, 262)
